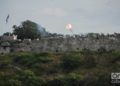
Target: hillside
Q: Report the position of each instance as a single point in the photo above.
(83, 68)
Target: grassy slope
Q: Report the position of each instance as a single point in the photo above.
(58, 69)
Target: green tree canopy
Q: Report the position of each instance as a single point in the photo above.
(27, 30)
(7, 34)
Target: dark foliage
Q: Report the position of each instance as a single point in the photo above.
(49, 69)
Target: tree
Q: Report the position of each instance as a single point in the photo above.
(27, 30)
(7, 34)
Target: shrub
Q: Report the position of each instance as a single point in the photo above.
(89, 61)
(42, 54)
(66, 80)
(24, 59)
(28, 78)
(103, 80)
(31, 59)
(70, 61)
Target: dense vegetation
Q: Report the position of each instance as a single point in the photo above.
(27, 30)
(83, 68)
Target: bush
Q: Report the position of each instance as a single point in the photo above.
(103, 80)
(24, 59)
(66, 80)
(42, 54)
(28, 78)
(8, 80)
(89, 61)
(70, 61)
(31, 59)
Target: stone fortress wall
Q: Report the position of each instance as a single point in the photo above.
(60, 44)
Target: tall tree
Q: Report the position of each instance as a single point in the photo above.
(27, 30)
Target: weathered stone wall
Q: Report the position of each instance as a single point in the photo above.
(68, 44)
(65, 44)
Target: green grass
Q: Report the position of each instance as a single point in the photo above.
(58, 69)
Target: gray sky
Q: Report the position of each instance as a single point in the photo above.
(84, 15)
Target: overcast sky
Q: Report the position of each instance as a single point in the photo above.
(102, 16)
